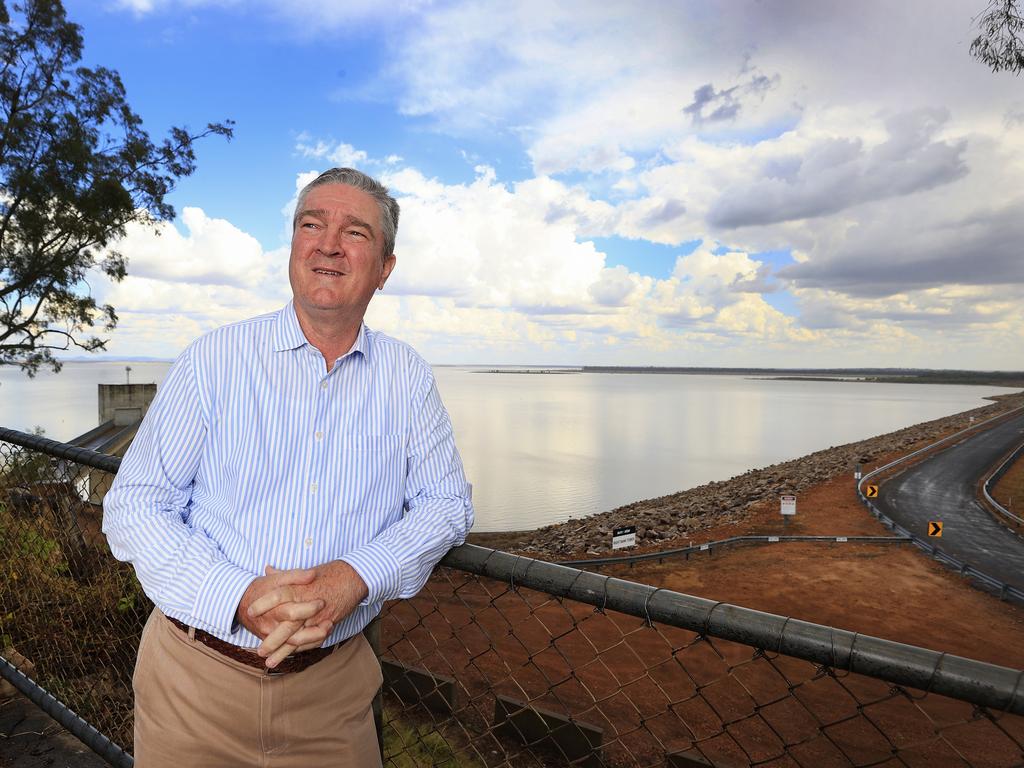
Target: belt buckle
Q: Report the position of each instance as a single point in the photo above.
(274, 671)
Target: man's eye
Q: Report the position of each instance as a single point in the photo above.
(356, 233)
(308, 225)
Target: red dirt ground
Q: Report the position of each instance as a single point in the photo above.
(889, 590)
(656, 691)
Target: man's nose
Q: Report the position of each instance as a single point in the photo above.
(331, 241)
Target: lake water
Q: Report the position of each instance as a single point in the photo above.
(541, 448)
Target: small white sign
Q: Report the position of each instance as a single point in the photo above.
(624, 537)
(704, 547)
(788, 505)
(841, 539)
(856, 475)
(773, 539)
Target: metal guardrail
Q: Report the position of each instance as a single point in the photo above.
(643, 676)
(989, 482)
(1004, 590)
(711, 546)
(61, 450)
(937, 443)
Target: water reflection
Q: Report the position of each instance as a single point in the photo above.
(542, 448)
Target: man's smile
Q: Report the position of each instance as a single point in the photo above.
(328, 272)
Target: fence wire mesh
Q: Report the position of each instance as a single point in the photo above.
(484, 673)
(487, 672)
(70, 615)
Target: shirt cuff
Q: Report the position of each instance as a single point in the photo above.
(379, 568)
(216, 605)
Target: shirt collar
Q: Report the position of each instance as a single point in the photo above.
(362, 342)
(288, 333)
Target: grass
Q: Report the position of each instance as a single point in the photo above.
(410, 745)
(70, 609)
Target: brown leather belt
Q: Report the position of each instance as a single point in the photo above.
(295, 663)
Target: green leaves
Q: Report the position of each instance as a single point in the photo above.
(1001, 43)
(76, 167)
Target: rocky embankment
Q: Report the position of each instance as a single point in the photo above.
(666, 520)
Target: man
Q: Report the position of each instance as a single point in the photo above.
(295, 470)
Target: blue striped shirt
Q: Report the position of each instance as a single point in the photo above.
(253, 454)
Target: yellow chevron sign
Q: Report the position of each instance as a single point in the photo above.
(871, 491)
(935, 528)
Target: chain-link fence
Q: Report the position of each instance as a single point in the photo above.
(507, 661)
(70, 615)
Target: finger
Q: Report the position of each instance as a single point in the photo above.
(280, 655)
(278, 637)
(296, 611)
(309, 637)
(292, 575)
(327, 627)
(270, 600)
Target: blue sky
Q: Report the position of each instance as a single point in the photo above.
(651, 183)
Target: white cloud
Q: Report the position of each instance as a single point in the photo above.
(481, 270)
(860, 137)
(212, 252)
(486, 244)
(613, 286)
(337, 153)
(328, 13)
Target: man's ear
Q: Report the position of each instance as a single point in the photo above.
(389, 264)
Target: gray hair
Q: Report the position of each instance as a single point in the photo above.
(359, 180)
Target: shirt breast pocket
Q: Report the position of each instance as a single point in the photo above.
(372, 476)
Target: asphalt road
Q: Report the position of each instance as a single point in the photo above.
(943, 488)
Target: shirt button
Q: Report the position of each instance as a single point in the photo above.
(323, 384)
(319, 435)
(312, 487)
(309, 542)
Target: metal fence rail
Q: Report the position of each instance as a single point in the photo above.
(733, 541)
(83, 731)
(503, 660)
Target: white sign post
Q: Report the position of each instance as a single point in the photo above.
(624, 537)
(788, 508)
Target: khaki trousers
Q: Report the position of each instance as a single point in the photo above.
(195, 707)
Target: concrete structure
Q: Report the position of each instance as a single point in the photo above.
(124, 404)
(121, 408)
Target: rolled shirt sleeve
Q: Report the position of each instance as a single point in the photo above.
(438, 510)
(146, 511)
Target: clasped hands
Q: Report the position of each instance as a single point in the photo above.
(295, 610)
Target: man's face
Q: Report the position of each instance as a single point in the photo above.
(336, 263)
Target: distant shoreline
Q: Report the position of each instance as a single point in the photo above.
(536, 371)
(1010, 379)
